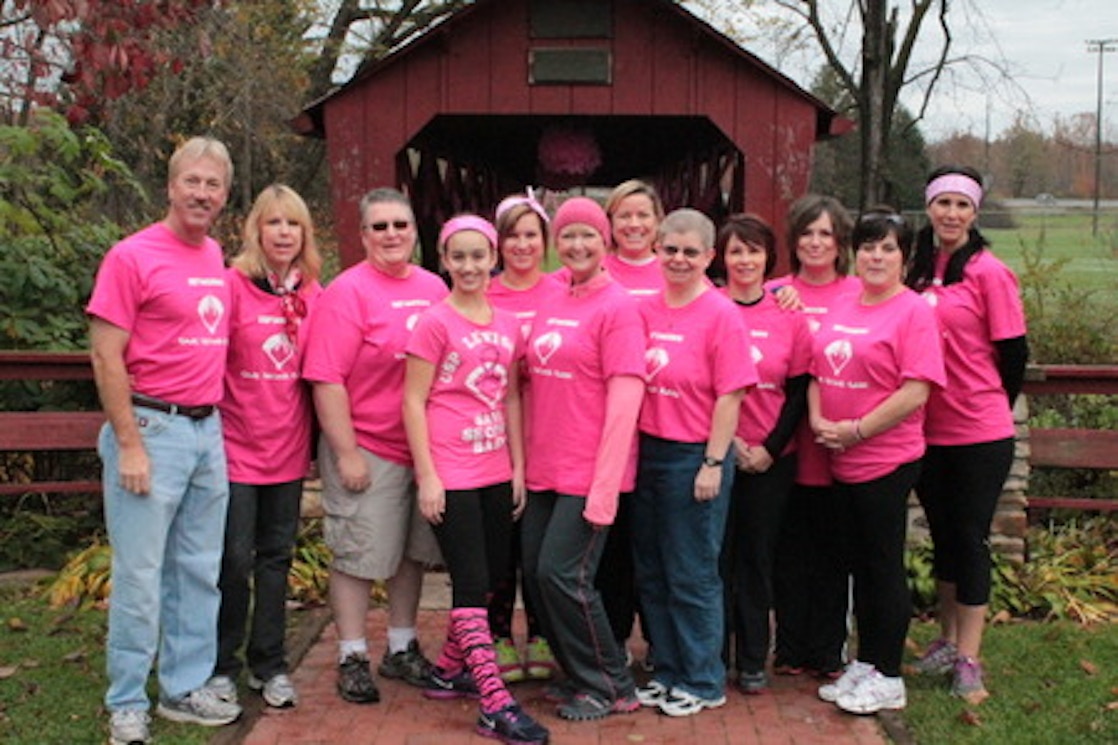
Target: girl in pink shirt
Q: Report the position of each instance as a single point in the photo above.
(874, 362)
(810, 591)
(585, 361)
(969, 423)
(698, 368)
(462, 414)
(266, 416)
(522, 285)
(764, 445)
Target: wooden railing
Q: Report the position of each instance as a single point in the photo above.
(1073, 448)
(48, 431)
(57, 430)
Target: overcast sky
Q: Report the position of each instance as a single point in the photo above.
(1041, 42)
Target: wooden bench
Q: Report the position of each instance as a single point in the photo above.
(1073, 448)
(48, 431)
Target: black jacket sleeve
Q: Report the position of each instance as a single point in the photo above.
(1012, 356)
(794, 409)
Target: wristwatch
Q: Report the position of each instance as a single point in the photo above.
(712, 462)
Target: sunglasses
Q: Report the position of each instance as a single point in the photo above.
(382, 225)
(690, 252)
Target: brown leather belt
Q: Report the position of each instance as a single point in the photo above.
(194, 412)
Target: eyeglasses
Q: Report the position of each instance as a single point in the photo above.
(690, 252)
(382, 225)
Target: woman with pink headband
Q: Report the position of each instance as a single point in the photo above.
(462, 414)
(969, 425)
(522, 234)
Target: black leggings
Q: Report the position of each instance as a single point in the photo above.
(959, 490)
(475, 537)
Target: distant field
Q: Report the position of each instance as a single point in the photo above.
(1092, 261)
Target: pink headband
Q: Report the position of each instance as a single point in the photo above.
(462, 223)
(528, 201)
(954, 183)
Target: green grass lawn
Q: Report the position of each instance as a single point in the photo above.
(1050, 683)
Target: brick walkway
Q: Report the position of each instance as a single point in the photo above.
(790, 714)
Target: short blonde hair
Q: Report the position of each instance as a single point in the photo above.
(286, 201)
(197, 148)
(628, 189)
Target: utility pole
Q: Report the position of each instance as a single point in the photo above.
(1099, 46)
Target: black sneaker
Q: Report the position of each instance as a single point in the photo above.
(513, 726)
(409, 666)
(355, 680)
(441, 686)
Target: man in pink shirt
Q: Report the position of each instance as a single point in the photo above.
(159, 331)
(356, 360)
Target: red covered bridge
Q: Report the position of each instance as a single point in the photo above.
(564, 93)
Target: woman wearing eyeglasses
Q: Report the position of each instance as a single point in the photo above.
(356, 360)
(874, 360)
(266, 419)
(698, 369)
(969, 424)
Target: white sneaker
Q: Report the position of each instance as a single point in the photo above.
(652, 693)
(873, 693)
(278, 691)
(129, 727)
(223, 687)
(200, 706)
(852, 674)
(680, 703)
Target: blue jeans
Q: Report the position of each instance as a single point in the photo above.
(260, 530)
(676, 546)
(166, 558)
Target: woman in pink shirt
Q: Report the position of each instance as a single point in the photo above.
(810, 590)
(635, 211)
(266, 415)
(522, 234)
(874, 361)
(969, 423)
(764, 445)
(585, 362)
(462, 414)
(698, 368)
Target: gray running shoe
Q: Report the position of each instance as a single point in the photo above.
(200, 706)
(129, 727)
(223, 687)
(278, 691)
(409, 666)
(355, 680)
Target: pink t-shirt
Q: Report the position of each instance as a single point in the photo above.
(696, 353)
(972, 314)
(580, 340)
(861, 355)
(266, 412)
(780, 349)
(641, 280)
(172, 299)
(813, 462)
(524, 303)
(466, 418)
(357, 338)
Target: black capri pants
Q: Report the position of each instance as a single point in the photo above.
(959, 489)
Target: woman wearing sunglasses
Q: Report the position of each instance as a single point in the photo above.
(874, 360)
(698, 368)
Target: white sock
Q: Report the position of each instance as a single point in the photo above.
(399, 638)
(346, 647)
